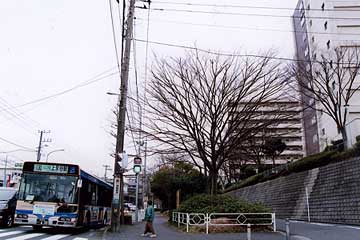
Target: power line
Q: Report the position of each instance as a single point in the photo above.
(114, 36)
(136, 83)
(250, 7)
(15, 144)
(250, 14)
(86, 83)
(131, 132)
(245, 28)
(20, 122)
(231, 54)
(17, 114)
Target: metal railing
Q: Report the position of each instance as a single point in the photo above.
(224, 219)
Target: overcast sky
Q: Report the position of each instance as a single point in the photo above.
(47, 47)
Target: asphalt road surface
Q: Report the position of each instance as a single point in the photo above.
(26, 232)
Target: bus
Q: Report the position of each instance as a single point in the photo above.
(61, 195)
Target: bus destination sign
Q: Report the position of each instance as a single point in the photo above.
(51, 168)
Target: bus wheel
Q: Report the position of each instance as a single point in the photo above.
(37, 227)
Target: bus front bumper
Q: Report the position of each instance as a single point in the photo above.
(55, 221)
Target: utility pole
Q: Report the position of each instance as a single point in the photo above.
(40, 144)
(5, 177)
(118, 217)
(107, 168)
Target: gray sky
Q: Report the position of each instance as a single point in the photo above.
(47, 47)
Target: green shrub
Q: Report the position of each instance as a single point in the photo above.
(310, 162)
(219, 204)
(304, 164)
(358, 138)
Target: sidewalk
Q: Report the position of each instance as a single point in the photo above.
(166, 232)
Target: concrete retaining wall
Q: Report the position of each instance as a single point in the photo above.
(333, 190)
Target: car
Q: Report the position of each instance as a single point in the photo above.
(7, 206)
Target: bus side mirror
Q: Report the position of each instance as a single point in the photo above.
(79, 183)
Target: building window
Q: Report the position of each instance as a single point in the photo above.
(313, 120)
(328, 44)
(306, 53)
(315, 138)
(302, 20)
(323, 7)
(325, 25)
(304, 37)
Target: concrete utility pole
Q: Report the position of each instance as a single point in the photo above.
(107, 168)
(40, 144)
(116, 216)
(5, 177)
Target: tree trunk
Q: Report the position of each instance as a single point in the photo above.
(213, 182)
(344, 137)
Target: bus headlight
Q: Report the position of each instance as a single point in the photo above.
(25, 216)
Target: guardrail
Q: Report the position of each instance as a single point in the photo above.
(224, 219)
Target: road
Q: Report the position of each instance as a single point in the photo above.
(320, 231)
(26, 232)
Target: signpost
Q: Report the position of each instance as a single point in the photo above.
(137, 170)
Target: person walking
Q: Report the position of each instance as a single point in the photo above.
(149, 218)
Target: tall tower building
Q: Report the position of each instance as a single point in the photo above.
(320, 26)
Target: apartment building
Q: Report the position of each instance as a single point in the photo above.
(319, 27)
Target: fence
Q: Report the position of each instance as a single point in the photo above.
(223, 219)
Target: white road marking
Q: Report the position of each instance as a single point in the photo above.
(80, 238)
(25, 226)
(297, 237)
(26, 236)
(352, 227)
(10, 233)
(56, 237)
(324, 224)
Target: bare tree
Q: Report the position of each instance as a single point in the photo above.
(330, 82)
(205, 105)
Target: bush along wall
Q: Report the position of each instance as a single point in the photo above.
(304, 164)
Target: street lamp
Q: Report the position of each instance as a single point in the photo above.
(57, 150)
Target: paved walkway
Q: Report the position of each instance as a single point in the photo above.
(166, 232)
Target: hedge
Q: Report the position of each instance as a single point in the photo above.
(304, 164)
(204, 203)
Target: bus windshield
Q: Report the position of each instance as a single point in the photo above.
(48, 188)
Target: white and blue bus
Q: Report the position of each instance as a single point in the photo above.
(62, 195)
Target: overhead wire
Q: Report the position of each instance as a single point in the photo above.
(114, 37)
(229, 54)
(15, 144)
(249, 7)
(92, 80)
(250, 14)
(137, 84)
(245, 28)
(19, 115)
